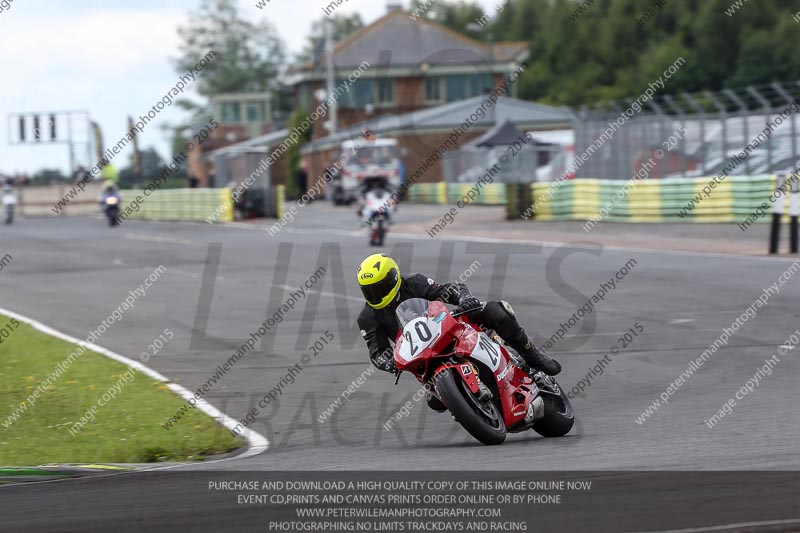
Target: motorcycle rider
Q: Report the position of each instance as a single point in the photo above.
(384, 288)
(378, 186)
(9, 200)
(109, 190)
(111, 210)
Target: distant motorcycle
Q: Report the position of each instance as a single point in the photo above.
(377, 208)
(9, 204)
(110, 205)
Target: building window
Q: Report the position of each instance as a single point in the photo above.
(230, 113)
(455, 88)
(255, 112)
(364, 92)
(305, 97)
(358, 96)
(461, 87)
(433, 89)
(480, 84)
(385, 92)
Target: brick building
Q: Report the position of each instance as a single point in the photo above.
(421, 83)
(424, 133)
(413, 64)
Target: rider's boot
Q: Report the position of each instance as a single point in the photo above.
(536, 359)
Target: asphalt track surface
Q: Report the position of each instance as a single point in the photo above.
(71, 273)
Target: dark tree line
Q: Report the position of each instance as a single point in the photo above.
(604, 53)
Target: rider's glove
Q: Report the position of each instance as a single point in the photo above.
(468, 302)
(386, 363)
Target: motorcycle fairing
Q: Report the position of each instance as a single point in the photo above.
(517, 390)
(515, 387)
(467, 372)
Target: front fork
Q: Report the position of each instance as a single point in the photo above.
(469, 374)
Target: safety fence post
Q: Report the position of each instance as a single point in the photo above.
(781, 190)
(794, 211)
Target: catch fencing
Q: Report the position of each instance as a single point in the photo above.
(470, 163)
(718, 126)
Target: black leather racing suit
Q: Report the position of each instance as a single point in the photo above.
(380, 326)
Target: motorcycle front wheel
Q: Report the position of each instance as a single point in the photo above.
(482, 420)
(338, 195)
(381, 232)
(112, 217)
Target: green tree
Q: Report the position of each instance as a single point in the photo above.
(606, 54)
(248, 57)
(47, 176)
(152, 165)
(714, 39)
(293, 157)
(763, 58)
(457, 16)
(343, 26)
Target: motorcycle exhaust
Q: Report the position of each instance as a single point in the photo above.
(535, 411)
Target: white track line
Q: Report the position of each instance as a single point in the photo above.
(729, 527)
(155, 238)
(256, 442)
(323, 293)
(588, 245)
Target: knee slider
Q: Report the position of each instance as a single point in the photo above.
(508, 309)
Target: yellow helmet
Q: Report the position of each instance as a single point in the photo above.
(379, 279)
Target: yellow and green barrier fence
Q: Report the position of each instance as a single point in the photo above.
(199, 205)
(280, 201)
(664, 200)
(452, 193)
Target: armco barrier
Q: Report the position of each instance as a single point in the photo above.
(179, 204)
(40, 201)
(732, 200)
(451, 193)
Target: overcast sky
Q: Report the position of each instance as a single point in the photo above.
(113, 58)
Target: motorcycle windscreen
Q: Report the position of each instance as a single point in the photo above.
(411, 309)
(419, 330)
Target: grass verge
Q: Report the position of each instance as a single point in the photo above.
(125, 429)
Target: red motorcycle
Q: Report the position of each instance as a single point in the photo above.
(487, 387)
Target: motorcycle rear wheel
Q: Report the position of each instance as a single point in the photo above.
(484, 421)
(558, 415)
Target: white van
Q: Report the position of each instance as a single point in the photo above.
(366, 159)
